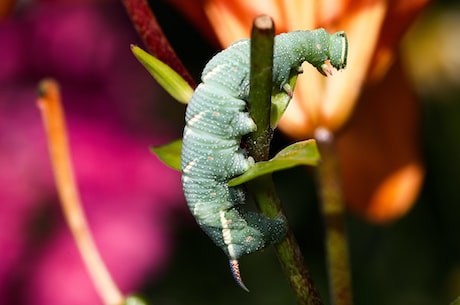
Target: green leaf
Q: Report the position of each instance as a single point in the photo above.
(280, 101)
(456, 302)
(172, 82)
(169, 153)
(134, 300)
(299, 153)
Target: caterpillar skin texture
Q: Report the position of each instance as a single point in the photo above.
(217, 118)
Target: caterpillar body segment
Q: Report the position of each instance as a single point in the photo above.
(217, 118)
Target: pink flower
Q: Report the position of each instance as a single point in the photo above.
(128, 195)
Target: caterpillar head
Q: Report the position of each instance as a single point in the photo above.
(338, 49)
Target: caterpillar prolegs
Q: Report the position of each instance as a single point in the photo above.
(217, 118)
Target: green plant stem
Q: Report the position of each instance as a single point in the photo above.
(333, 211)
(262, 189)
(260, 86)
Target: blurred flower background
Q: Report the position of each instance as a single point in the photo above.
(135, 206)
(131, 199)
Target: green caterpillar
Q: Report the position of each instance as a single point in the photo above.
(217, 118)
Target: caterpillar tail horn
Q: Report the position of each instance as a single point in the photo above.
(235, 268)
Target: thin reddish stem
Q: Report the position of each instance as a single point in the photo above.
(153, 37)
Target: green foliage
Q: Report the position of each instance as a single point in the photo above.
(134, 300)
(172, 82)
(299, 153)
(280, 101)
(169, 153)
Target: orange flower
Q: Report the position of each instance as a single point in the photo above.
(5, 8)
(369, 106)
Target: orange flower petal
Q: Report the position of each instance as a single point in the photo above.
(404, 11)
(380, 157)
(343, 89)
(233, 19)
(6, 6)
(382, 168)
(330, 105)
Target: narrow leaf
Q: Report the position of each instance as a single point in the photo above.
(134, 300)
(169, 153)
(299, 153)
(456, 302)
(172, 82)
(280, 101)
